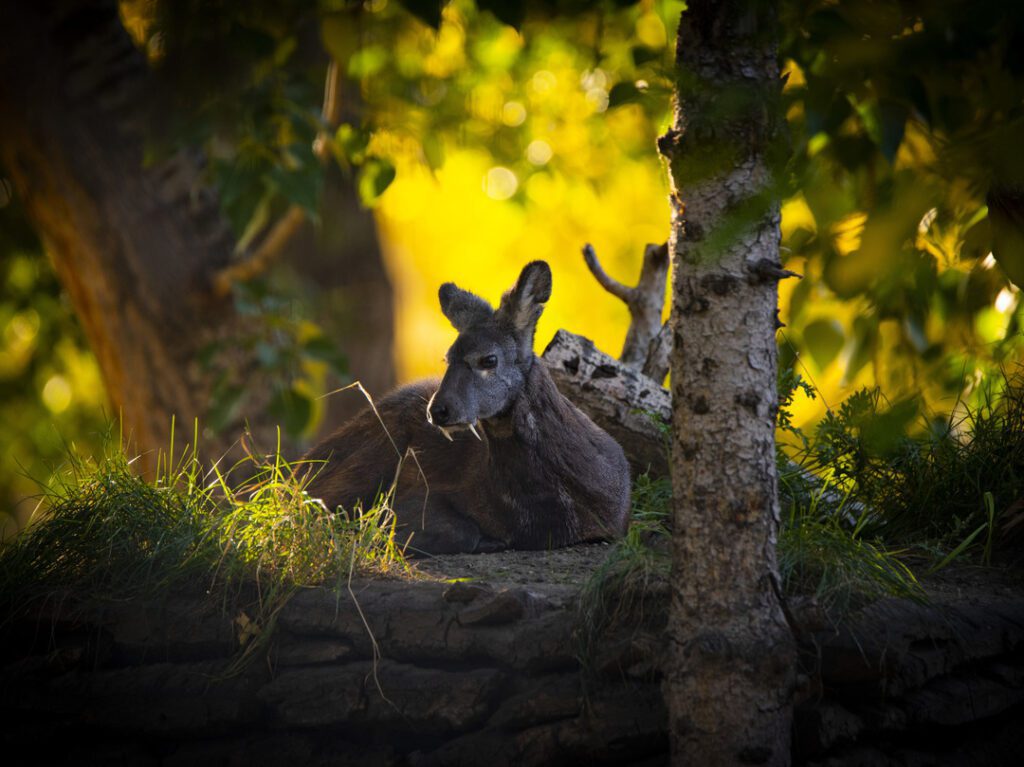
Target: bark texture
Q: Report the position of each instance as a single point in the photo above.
(131, 246)
(729, 685)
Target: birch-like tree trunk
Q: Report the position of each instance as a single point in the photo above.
(729, 683)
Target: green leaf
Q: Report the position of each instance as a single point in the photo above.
(865, 333)
(225, 404)
(339, 33)
(1006, 212)
(292, 409)
(351, 142)
(644, 55)
(301, 187)
(511, 12)
(267, 354)
(977, 240)
(368, 61)
(882, 433)
(623, 93)
(321, 348)
(892, 119)
(798, 299)
(824, 339)
(427, 11)
(375, 177)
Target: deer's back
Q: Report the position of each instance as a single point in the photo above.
(362, 457)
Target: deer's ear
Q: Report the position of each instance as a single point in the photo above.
(462, 308)
(522, 306)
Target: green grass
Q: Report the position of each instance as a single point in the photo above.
(873, 490)
(107, 534)
(951, 486)
(824, 550)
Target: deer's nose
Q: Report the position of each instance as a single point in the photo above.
(439, 414)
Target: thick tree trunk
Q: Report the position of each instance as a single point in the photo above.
(131, 246)
(135, 248)
(729, 683)
(340, 273)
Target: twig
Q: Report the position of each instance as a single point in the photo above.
(288, 225)
(645, 302)
(270, 248)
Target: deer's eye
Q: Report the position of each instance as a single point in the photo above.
(489, 362)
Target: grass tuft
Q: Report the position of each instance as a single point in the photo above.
(108, 534)
(823, 550)
(636, 568)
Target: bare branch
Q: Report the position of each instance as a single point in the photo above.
(261, 258)
(274, 242)
(626, 404)
(613, 286)
(331, 112)
(645, 301)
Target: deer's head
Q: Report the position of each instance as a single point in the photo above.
(489, 361)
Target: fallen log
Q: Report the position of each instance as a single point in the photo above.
(631, 407)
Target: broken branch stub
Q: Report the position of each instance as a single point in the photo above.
(631, 407)
(656, 367)
(645, 301)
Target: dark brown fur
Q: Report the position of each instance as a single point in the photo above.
(542, 476)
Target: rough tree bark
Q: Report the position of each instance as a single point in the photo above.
(136, 248)
(730, 678)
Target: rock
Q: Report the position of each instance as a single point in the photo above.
(546, 699)
(506, 606)
(818, 728)
(158, 698)
(311, 697)
(463, 592)
(959, 700)
(300, 651)
(399, 695)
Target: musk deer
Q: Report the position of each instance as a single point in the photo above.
(503, 460)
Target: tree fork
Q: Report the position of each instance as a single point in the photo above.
(729, 683)
(643, 348)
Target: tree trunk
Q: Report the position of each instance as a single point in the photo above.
(729, 684)
(135, 247)
(129, 245)
(339, 270)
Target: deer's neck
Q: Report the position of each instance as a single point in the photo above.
(538, 413)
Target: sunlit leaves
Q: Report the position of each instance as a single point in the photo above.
(375, 176)
(511, 12)
(824, 339)
(427, 11)
(901, 122)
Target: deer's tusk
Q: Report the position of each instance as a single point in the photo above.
(430, 418)
(472, 428)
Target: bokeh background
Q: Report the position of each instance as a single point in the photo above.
(481, 136)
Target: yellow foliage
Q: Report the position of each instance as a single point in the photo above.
(444, 227)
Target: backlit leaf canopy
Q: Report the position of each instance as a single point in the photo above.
(487, 134)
